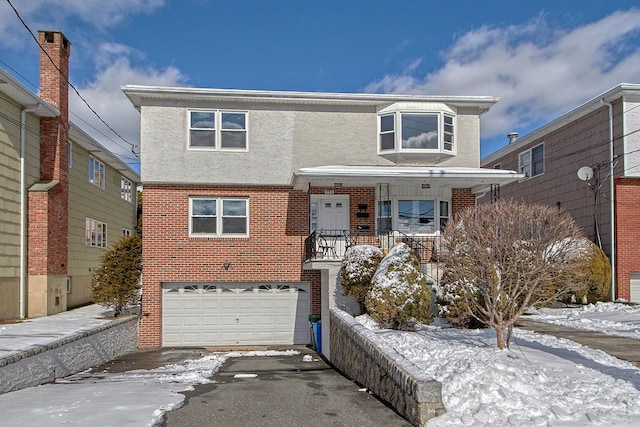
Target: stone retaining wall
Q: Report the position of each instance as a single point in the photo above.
(67, 356)
(355, 352)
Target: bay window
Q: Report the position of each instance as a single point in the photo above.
(416, 132)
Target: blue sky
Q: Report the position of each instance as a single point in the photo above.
(542, 58)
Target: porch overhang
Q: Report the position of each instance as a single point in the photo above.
(479, 180)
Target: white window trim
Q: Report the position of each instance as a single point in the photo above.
(89, 240)
(68, 284)
(219, 217)
(217, 123)
(103, 176)
(527, 168)
(398, 132)
(126, 189)
(126, 232)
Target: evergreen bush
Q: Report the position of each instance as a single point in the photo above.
(116, 284)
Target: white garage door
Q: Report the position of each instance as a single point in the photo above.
(215, 314)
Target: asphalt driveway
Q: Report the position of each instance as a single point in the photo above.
(300, 390)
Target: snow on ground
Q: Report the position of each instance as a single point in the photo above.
(541, 381)
(133, 398)
(606, 317)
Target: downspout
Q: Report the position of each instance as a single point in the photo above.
(23, 210)
(612, 202)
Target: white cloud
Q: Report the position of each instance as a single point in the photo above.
(107, 99)
(53, 14)
(537, 70)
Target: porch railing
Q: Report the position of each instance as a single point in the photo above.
(331, 245)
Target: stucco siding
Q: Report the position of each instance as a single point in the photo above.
(106, 205)
(467, 137)
(280, 141)
(166, 157)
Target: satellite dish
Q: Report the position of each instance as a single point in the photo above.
(585, 173)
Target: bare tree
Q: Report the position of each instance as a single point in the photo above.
(508, 256)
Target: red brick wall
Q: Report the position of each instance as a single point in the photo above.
(461, 199)
(48, 212)
(627, 220)
(278, 225)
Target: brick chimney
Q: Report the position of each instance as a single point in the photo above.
(49, 199)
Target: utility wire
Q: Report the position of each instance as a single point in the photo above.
(69, 83)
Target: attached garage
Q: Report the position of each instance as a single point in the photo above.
(221, 314)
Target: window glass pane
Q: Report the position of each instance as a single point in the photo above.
(232, 139)
(416, 216)
(203, 207)
(234, 208)
(387, 141)
(387, 124)
(233, 121)
(203, 138)
(444, 208)
(206, 225)
(202, 120)
(537, 160)
(234, 225)
(420, 131)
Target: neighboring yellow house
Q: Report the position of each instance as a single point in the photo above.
(64, 198)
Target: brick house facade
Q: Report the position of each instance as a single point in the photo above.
(600, 136)
(251, 197)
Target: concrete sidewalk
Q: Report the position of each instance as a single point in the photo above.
(623, 348)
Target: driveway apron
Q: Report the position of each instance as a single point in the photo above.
(281, 391)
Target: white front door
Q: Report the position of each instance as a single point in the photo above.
(333, 213)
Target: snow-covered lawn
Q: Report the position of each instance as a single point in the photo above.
(541, 381)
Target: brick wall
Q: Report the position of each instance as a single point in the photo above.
(278, 225)
(461, 199)
(627, 220)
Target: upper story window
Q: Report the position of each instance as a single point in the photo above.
(96, 172)
(218, 130)
(125, 189)
(95, 233)
(531, 162)
(417, 132)
(218, 217)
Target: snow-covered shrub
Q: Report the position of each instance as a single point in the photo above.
(452, 303)
(399, 297)
(596, 273)
(358, 267)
